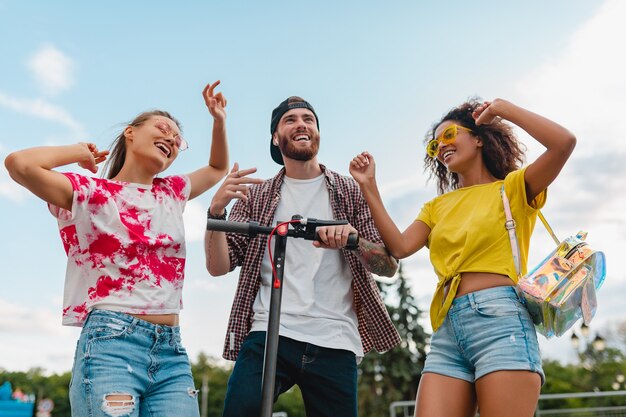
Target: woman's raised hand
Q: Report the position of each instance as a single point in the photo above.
(92, 157)
(487, 112)
(215, 102)
(363, 168)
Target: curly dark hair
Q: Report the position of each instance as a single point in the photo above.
(502, 151)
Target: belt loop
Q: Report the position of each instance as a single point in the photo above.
(133, 324)
(472, 300)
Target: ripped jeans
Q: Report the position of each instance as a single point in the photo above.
(125, 366)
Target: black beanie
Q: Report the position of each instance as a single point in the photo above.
(292, 102)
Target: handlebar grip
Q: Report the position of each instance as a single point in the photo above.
(353, 240)
(227, 226)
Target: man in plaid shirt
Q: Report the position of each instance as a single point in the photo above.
(332, 313)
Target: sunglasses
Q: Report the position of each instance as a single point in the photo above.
(166, 129)
(447, 137)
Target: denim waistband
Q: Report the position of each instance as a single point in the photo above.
(116, 317)
(487, 294)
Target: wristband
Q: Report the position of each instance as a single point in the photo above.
(211, 216)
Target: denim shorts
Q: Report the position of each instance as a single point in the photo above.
(144, 363)
(485, 331)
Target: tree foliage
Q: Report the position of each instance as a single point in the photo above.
(394, 375)
(54, 387)
(214, 373)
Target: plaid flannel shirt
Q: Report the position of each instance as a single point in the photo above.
(375, 327)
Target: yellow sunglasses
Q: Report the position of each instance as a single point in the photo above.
(447, 137)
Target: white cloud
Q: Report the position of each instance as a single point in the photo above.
(10, 190)
(584, 87)
(206, 285)
(44, 110)
(26, 351)
(17, 318)
(195, 221)
(52, 69)
(585, 90)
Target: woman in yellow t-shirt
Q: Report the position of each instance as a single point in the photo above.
(484, 352)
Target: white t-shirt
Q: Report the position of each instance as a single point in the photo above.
(317, 302)
(125, 244)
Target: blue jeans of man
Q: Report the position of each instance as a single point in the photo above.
(129, 367)
(327, 378)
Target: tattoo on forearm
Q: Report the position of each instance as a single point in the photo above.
(376, 259)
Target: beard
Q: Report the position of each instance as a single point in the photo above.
(291, 151)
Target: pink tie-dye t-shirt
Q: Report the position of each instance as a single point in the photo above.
(125, 245)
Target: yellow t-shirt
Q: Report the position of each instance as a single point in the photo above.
(468, 234)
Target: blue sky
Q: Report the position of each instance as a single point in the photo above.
(378, 76)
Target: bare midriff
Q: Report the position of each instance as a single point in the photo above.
(476, 281)
(163, 319)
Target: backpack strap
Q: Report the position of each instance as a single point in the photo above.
(510, 226)
(548, 228)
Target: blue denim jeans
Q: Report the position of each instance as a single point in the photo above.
(125, 366)
(326, 377)
(485, 331)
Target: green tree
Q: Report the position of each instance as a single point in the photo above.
(291, 403)
(597, 369)
(216, 375)
(34, 381)
(394, 375)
